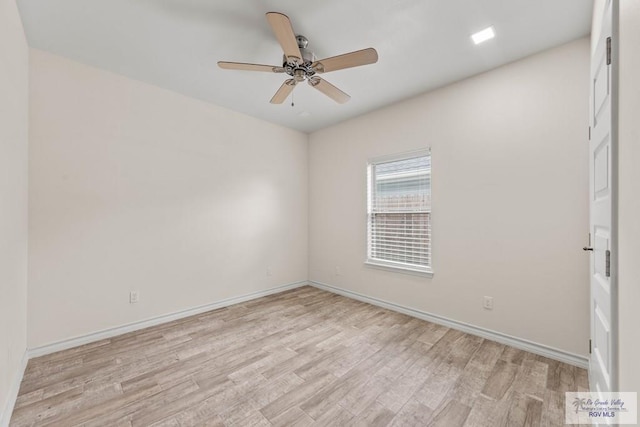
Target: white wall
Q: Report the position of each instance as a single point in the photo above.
(599, 7)
(133, 187)
(629, 197)
(510, 202)
(13, 201)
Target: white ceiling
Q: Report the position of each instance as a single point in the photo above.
(422, 44)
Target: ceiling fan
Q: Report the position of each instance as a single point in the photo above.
(301, 64)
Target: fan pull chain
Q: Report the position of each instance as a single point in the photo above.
(292, 104)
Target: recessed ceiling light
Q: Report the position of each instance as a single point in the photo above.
(483, 36)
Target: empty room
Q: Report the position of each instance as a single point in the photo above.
(287, 213)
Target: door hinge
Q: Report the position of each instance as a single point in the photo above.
(607, 263)
(589, 346)
(589, 133)
(608, 50)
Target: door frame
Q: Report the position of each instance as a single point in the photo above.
(615, 63)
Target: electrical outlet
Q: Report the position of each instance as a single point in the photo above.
(269, 272)
(338, 271)
(134, 297)
(487, 303)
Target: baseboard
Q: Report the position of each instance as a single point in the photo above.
(530, 346)
(7, 411)
(130, 327)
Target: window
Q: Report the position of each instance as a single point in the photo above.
(399, 212)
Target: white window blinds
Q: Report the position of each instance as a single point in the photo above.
(399, 211)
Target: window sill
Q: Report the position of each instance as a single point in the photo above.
(399, 269)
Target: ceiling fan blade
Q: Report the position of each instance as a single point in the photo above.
(249, 67)
(347, 60)
(283, 92)
(283, 30)
(328, 89)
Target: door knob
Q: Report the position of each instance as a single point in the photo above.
(587, 249)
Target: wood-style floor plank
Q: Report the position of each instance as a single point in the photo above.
(298, 358)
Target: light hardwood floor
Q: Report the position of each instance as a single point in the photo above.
(302, 357)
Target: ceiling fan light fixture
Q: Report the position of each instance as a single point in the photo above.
(299, 75)
(484, 35)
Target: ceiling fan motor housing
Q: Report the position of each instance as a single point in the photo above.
(300, 71)
(308, 57)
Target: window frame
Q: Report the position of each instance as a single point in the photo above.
(370, 179)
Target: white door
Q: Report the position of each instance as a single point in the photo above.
(602, 193)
